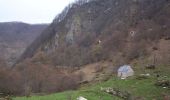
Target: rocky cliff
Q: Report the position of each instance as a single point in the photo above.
(94, 30)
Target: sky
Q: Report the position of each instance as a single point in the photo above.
(31, 11)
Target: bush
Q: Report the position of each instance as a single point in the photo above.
(10, 83)
(39, 78)
(33, 77)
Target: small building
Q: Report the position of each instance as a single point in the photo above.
(125, 71)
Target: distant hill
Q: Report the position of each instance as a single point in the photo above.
(121, 31)
(15, 37)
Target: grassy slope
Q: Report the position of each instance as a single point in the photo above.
(142, 88)
(138, 88)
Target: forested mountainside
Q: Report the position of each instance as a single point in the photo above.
(87, 43)
(116, 30)
(15, 37)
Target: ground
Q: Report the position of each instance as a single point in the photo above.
(143, 89)
(139, 89)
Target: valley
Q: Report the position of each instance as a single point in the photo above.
(88, 51)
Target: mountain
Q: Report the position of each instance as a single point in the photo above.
(120, 31)
(87, 43)
(15, 37)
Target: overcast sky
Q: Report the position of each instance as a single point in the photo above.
(31, 11)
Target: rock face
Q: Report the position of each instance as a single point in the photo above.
(72, 40)
(15, 37)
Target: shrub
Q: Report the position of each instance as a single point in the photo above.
(10, 82)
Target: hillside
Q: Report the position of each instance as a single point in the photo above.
(95, 30)
(82, 49)
(15, 37)
(141, 90)
(101, 75)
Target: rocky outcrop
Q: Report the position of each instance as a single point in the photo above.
(72, 39)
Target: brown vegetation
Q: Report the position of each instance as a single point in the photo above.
(82, 35)
(127, 37)
(29, 77)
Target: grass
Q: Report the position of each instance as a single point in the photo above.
(138, 88)
(144, 88)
